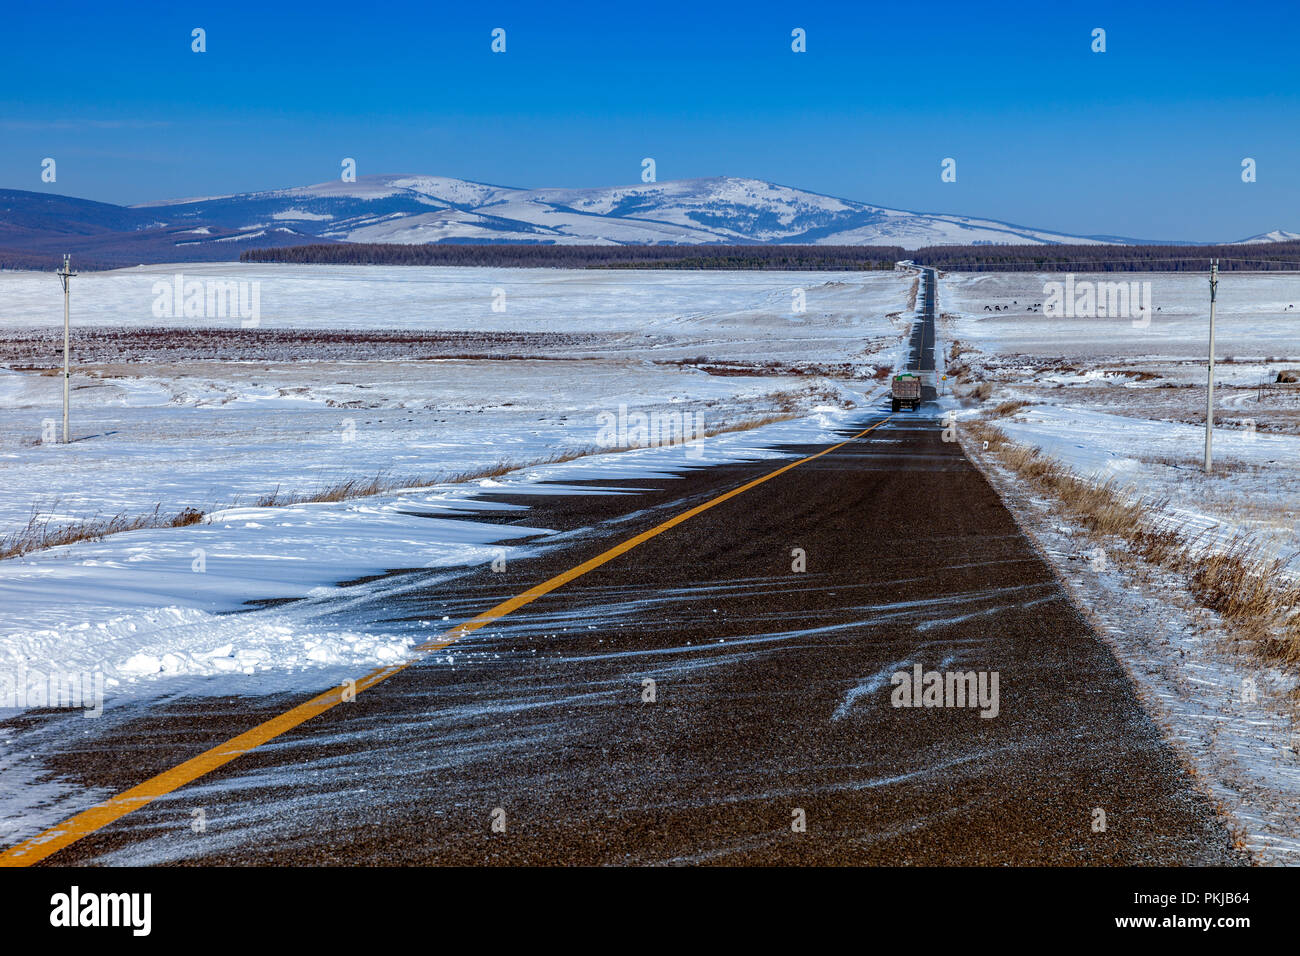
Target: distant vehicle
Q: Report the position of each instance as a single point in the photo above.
(906, 391)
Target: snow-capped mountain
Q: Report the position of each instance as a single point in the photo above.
(435, 209)
(421, 209)
(1277, 235)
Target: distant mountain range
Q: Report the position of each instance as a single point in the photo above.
(435, 209)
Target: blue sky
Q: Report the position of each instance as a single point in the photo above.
(1143, 140)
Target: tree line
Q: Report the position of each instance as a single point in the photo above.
(1261, 256)
(748, 257)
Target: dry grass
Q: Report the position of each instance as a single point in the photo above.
(993, 438)
(1006, 409)
(1223, 466)
(750, 423)
(772, 367)
(43, 532)
(790, 403)
(1243, 582)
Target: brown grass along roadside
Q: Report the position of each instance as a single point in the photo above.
(1245, 583)
(40, 533)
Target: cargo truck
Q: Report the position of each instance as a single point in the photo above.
(905, 392)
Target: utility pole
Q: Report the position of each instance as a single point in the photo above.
(65, 275)
(1209, 393)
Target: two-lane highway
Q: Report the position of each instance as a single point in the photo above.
(771, 703)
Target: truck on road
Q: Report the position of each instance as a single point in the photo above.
(905, 392)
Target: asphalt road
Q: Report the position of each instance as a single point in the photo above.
(772, 736)
(920, 348)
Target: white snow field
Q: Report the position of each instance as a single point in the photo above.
(215, 425)
(1127, 403)
(729, 307)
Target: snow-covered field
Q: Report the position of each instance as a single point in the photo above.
(1127, 403)
(742, 309)
(181, 425)
(1258, 315)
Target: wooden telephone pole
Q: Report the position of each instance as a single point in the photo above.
(65, 275)
(1209, 393)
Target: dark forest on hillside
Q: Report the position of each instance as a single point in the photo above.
(749, 257)
(1264, 256)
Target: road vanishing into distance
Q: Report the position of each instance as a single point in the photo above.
(920, 354)
(701, 672)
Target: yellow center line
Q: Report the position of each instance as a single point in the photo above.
(83, 824)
